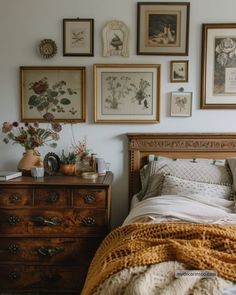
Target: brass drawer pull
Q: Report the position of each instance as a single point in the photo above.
(50, 251)
(14, 198)
(14, 220)
(89, 199)
(88, 221)
(13, 275)
(42, 221)
(53, 197)
(14, 248)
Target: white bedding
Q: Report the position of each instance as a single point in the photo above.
(184, 208)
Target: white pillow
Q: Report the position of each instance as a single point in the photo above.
(177, 186)
(202, 171)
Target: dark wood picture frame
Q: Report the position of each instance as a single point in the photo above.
(163, 28)
(78, 37)
(179, 71)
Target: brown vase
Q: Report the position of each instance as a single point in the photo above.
(67, 169)
(30, 158)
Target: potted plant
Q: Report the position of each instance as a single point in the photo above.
(67, 163)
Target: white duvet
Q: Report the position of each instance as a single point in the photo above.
(188, 208)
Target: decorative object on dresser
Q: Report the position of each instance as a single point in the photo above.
(50, 229)
(67, 163)
(78, 37)
(7, 175)
(58, 90)
(127, 93)
(163, 28)
(115, 39)
(31, 136)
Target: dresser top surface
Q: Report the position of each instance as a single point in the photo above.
(104, 180)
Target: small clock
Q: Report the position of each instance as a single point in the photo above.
(47, 48)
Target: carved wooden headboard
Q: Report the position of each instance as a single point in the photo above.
(176, 145)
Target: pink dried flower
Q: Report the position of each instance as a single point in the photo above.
(6, 127)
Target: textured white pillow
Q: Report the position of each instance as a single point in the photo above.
(201, 171)
(177, 186)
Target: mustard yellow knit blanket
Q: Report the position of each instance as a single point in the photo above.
(200, 246)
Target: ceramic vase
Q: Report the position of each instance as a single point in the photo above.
(31, 157)
(67, 169)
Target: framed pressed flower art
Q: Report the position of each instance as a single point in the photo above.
(218, 73)
(56, 90)
(181, 104)
(127, 93)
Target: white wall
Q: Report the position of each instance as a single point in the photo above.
(23, 23)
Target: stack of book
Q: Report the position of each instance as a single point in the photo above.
(7, 175)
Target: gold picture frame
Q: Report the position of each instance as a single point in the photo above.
(179, 71)
(127, 93)
(218, 66)
(163, 28)
(56, 90)
(181, 104)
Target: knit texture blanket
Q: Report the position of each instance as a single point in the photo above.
(201, 247)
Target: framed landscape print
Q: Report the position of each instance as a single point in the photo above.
(181, 104)
(56, 90)
(78, 37)
(163, 28)
(178, 71)
(218, 73)
(127, 93)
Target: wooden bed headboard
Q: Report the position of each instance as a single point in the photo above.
(176, 145)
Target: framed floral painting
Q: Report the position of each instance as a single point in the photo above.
(127, 93)
(181, 104)
(78, 37)
(218, 73)
(163, 28)
(56, 90)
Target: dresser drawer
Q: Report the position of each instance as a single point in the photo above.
(15, 197)
(81, 222)
(52, 197)
(41, 278)
(66, 251)
(89, 198)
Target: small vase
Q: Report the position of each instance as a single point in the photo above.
(82, 165)
(67, 169)
(31, 157)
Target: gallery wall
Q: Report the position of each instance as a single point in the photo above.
(24, 23)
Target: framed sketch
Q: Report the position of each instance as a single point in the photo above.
(78, 37)
(178, 71)
(127, 93)
(163, 28)
(181, 104)
(56, 90)
(218, 74)
(115, 39)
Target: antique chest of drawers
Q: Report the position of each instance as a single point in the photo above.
(50, 229)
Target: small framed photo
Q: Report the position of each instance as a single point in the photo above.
(181, 104)
(178, 71)
(78, 37)
(115, 39)
(163, 28)
(56, 90)
(127, 93)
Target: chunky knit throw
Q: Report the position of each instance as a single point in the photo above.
(209, 247)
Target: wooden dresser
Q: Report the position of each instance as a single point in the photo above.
(50, 229)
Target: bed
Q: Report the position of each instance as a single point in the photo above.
(180, 234)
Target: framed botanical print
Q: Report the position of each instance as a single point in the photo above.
(181, 104)
(179, 71)
(163, 28)
(218, 73)
(127, 93)
(56, 90)
(78, 37)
